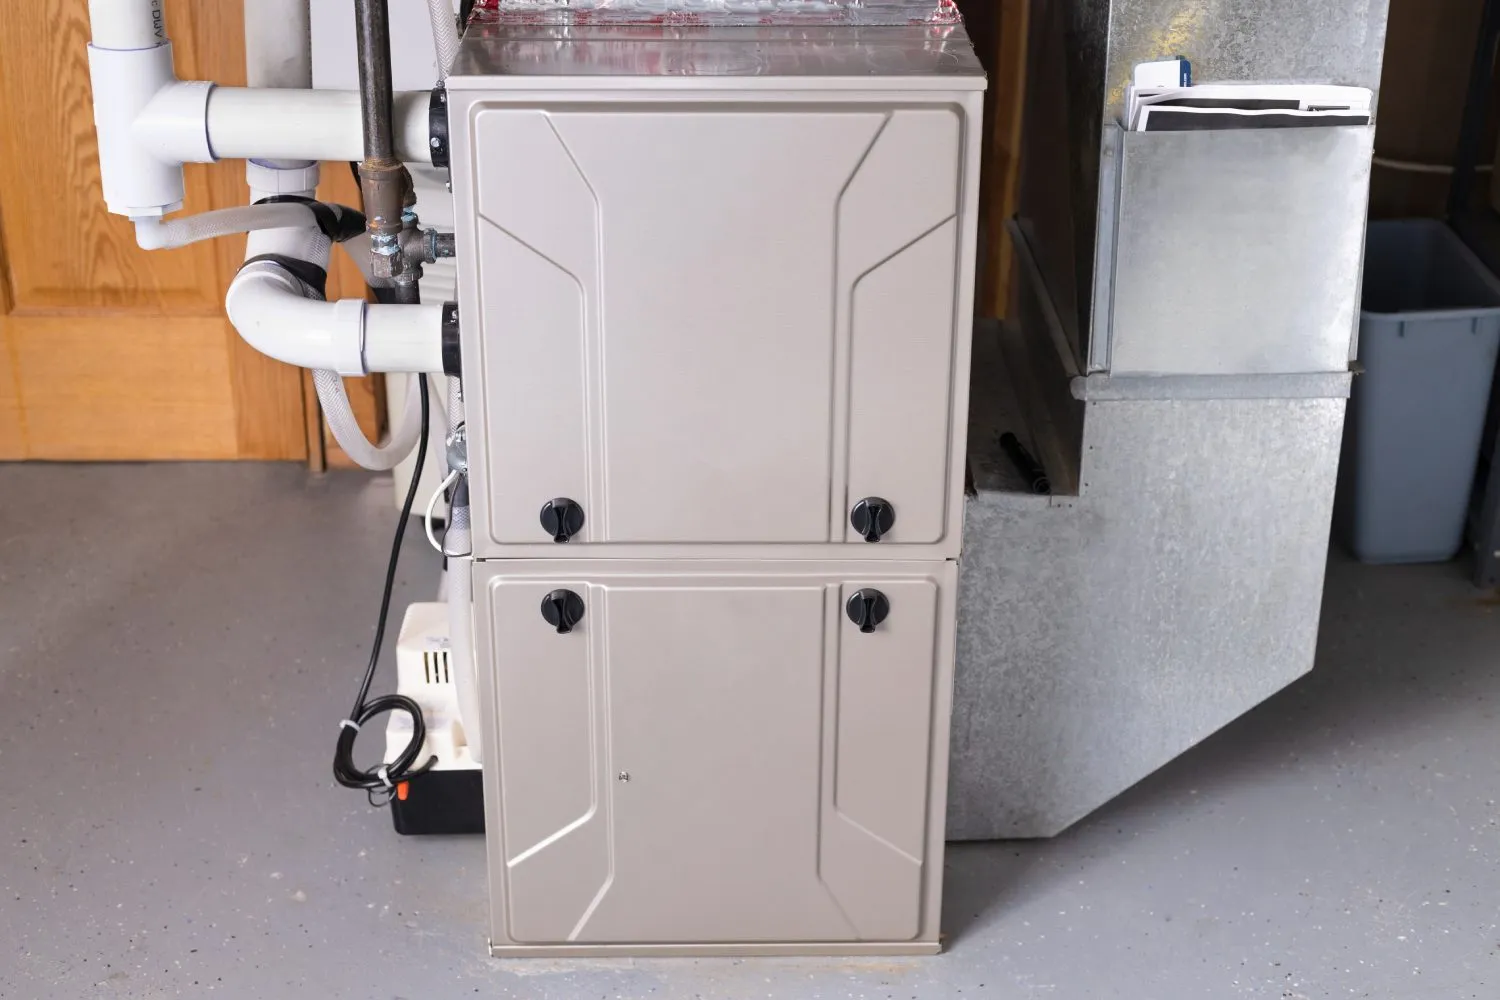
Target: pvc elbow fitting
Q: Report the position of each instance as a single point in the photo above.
(269, 309)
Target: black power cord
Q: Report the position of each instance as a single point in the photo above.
(384, 778)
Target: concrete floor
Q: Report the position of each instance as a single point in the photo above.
(178, 643)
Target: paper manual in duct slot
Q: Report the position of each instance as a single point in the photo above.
(1243, 105)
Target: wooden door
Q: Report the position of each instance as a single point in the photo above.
(107, 351)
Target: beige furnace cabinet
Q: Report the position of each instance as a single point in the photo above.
(715, 293)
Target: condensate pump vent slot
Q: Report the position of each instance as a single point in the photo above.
(436, 668)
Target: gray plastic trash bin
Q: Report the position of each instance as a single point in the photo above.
(1428, 336)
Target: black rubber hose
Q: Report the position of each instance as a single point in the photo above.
(1031, 470)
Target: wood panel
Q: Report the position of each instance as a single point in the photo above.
(68, 253)
(314, 427)
(999, 32)
(1003, 171)
(12, 426)
(106, 350)
(86, 390)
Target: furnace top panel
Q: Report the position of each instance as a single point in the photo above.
(508, 48)
(899, 12)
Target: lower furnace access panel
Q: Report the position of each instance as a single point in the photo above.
(715, 757)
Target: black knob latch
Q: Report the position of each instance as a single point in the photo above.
(563, 609)
(562, 518)
(873, 517)
(868, 608)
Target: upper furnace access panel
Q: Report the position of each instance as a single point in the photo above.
(716, 309)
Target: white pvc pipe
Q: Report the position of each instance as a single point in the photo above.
(301, 244)
(130, 64)
(304, 125)
(267, 306)
(173, 117)
(258, 306)
(125, 82)
(400, 338)
(278, 53)
(444, 35)
(127, 24)
(281, 177)
(278, 43)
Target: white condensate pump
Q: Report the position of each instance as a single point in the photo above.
(707, 375)
(448, 798)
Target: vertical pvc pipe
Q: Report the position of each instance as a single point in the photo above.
(127, 24)
(278, 44)
(130, 63)
(278, 54)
